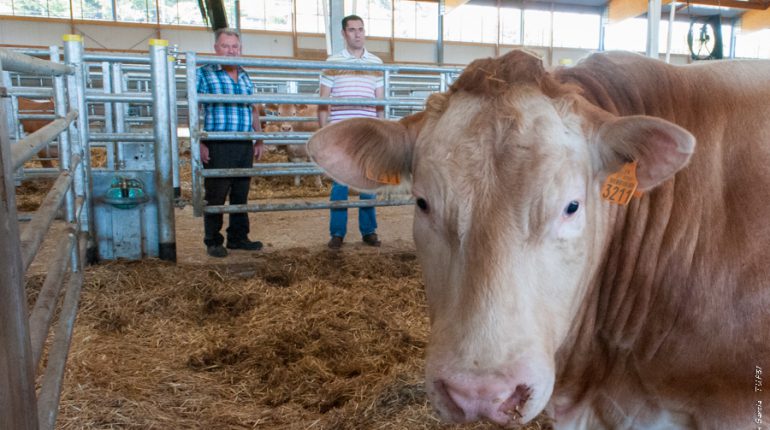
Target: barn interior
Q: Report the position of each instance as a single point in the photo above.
(294, 337)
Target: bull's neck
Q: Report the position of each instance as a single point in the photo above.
(643, 87)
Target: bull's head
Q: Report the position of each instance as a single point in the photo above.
(506, 170)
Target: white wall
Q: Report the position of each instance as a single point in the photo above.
(415, 52)
(464, 54)
(190, 40)
(267, 45)
(311, 42)
(121, 38)
(45, 34)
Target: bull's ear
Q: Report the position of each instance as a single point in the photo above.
(365, 153)
(660, 148)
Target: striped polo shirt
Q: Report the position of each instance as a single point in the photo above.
(352, 84)
(213, 79)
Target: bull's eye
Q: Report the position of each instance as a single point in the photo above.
(571, 208)
(422, 204)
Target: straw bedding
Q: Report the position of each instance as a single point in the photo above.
(298, 339)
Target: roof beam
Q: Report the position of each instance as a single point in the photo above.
(738, 4)
(619, 10)
(453, 4)
(755, 20)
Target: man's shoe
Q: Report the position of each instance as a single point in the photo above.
(245, 244)
(371, 240)
(335, 243)
(218, 251)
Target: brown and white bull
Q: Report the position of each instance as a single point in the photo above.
(29, 126)
(543, 295)
(296, 153)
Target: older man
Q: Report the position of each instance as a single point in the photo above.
(222, 154)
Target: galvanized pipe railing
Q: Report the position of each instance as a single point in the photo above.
(33, 234)
(108, 115)
(119, 110)
(241, 172)
(122, 137)
(17, 403)
(73, 55)
(295, 99)
(42, 313)
(26, 64)
(43, 116)
(173, 123)
(18, 358)
(277, 207)
(53, 377)
(163, 159)
(30, 145)
(246, 135)
(390, 73)
(321, 65)
(193, 120)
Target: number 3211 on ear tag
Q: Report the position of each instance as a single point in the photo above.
(620, 186)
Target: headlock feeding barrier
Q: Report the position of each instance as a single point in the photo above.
(129, 107)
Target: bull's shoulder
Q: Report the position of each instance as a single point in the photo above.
(628, 83)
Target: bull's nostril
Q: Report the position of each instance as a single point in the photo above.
(513, 405)
(455, 411)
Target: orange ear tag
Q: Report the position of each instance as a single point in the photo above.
(620, 186)
(384, 178)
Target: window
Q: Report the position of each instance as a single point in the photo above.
(416, 19)
(310, 16)
(510, 26)
(576, 30)
(471, 23)
(266, 14)
(629, 34)
(678, 38)
(537, 28)
(29, 8)
(253, 14)
(752, 45)
(727, 35)
(136, 11)
(180, 12)
(278, 16)
(92, 9)
(377, 15)
(49, 8)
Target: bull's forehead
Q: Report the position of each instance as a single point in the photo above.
(477, 138)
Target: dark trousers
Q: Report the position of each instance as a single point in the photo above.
(224, 154)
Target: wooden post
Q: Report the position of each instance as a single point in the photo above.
(18, 405)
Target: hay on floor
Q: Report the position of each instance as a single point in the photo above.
(297, 339)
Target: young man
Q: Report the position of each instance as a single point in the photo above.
(351, 84)
(222, 154)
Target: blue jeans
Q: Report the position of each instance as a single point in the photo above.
(338, 223)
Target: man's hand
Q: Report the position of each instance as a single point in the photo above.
(259, 148)
(204, 153)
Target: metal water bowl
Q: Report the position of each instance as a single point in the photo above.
(126, 193)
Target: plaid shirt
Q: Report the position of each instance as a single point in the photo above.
(213, 79)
